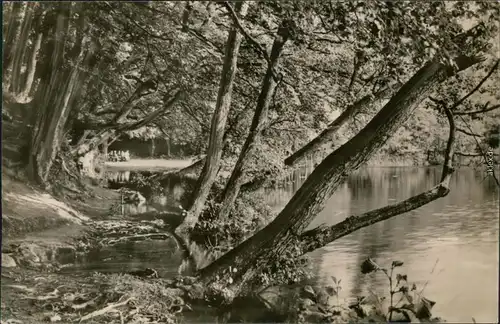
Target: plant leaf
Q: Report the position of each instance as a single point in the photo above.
(334, 279)
(397, 264)
(368, 266)
(331, 291)
(423, 309)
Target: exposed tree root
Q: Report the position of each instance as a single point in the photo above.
(139, 237)
(108, 309)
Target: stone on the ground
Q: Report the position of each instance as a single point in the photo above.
(8, 261)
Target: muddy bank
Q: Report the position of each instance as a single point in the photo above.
(44, 238)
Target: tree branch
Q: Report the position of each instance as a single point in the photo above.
(323, 235)
(142, 90)
(481, 150)
(247, 36)
(461, 130)
(327, 134)
(459, 102)
(152, 116)
(250, 39)
(480, 111)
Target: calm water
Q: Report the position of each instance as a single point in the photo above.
(450, 246)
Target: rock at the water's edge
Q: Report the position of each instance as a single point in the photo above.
(8, 261)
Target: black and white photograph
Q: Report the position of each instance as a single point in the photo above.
(272, 161)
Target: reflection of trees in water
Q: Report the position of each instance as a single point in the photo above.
(360, 184)
(375, 241)
(490, 185)
(468, 214)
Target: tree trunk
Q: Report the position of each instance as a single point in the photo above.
(27, 88)
(235, 181)
(263, 247)
(152, 147)
(322, 235)
(105, 147)
(327, 135)
(214, 151)
(22, 47)
(11, 36)
(52, 99)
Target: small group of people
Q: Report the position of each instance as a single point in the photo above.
(118, 156)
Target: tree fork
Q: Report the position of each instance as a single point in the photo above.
(259, 120)
(219, 119)
(323, 235)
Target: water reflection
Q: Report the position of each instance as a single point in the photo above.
(450, 246)
(162, 256)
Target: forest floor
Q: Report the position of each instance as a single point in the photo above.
(42, 234)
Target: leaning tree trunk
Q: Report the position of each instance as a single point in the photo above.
(235, 181)
(53, 98)
(214, 151)
(327, 135)
(263, 247)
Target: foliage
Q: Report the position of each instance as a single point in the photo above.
(322, 303)
(145, 183)
(410, 304)
(220, 235)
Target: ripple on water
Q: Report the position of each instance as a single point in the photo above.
(459, 230)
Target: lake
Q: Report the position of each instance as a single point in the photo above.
(449, 247)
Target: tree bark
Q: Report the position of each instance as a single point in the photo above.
(259, 120)
(20, 47)
(219, 119)
(260, 249)
(53, 96)
(12, 31)
(26, 90)
(327, 135)
(152, 147)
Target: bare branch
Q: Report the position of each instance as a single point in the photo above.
(480, 111)
(152, 116)
(459, 102)
(470, 133)
(468, 154)
(481, 150)
(248, 37)
(142, 90)
(323, 235)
